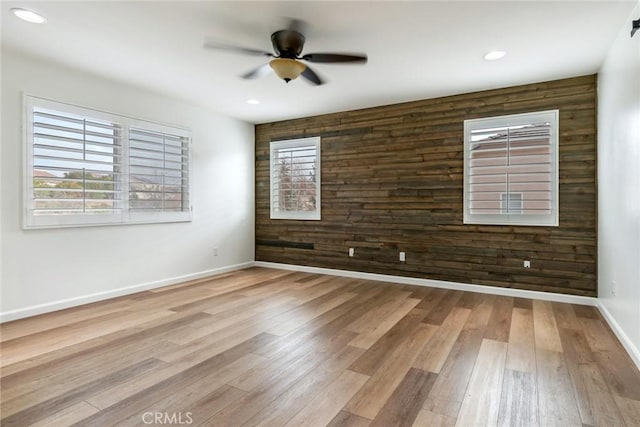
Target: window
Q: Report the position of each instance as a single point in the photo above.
(511, 169)
(87, 167)
(511, 203)
(158, 172)
(295, 179)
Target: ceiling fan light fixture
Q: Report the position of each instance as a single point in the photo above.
(287, 69)
(29, 15)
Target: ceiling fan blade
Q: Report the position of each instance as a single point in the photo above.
(310, 75)
(335, 57)
(260, 71)
(237, 49)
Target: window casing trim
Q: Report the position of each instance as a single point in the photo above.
(31, 221)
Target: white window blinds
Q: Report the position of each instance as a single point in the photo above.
(295, 179)
(76, 164)
(88, 167)
(158, 172)
(511, 174)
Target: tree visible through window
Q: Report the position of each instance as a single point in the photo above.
(295, 180)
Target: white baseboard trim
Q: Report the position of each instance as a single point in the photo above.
(99, 296)
(510, 292)
(628, 345)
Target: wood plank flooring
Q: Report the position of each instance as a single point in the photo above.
(277, 348)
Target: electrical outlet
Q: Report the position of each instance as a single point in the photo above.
(527, 264)
(215, 251)
(613, 288)
(351, 251)
(402, 257)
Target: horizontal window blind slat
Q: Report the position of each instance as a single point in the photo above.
(146, 176)
(494, 195)
(142, 171)
(146, 145)
(141, 152)
(48, 137)
(79, 145)
(68, 160)
(75, 189)
(45, 202)
(143, 133)
(69, 210)
(54, 169)
(74, 150)
(155, 163)
(81, 131)
(146, 167)
(296, 149)
(291, 155)
(158, 145)
(71, 118)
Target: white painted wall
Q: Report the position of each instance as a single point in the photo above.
(42, 267)
(619, 185)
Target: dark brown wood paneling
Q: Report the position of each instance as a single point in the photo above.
(392, 180)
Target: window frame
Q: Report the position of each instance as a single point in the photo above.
(314, 215)
(125, 216)
(542, 220)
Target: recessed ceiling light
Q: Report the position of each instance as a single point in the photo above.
(494, 54)
(29, 16)
(253, 102)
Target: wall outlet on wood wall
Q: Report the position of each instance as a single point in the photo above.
(351, 251)
(527, 264)
(402, 257)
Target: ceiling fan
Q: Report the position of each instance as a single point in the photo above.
(288, 45)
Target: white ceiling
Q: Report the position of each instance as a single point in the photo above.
(417, 50)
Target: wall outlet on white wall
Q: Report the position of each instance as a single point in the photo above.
(613, 288)
(215, 251)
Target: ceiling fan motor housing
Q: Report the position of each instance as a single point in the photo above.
(287, 43)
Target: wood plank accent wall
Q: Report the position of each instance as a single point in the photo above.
(392, 180)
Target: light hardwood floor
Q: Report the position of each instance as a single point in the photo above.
(278, 348)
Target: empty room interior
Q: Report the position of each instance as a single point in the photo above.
(320, 213)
